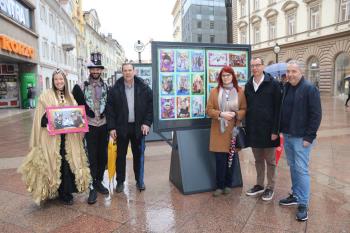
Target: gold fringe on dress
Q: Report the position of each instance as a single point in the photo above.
(41, 167)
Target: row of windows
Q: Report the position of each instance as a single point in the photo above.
(211, 24)
(47, 16)
(314, 11)
(200, 38)
(57, 54)
(314, 22)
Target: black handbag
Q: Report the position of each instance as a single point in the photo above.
(235, 170)
(241, 137)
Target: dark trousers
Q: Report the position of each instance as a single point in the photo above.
(97, 142)
(347, 100)
(223, 172)
(67, 186)
(122, 149)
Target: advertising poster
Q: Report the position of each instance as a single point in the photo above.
(237, 59)
(181, 84)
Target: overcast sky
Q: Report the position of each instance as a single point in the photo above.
(132, 20)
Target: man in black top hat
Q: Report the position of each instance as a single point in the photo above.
(93, 94)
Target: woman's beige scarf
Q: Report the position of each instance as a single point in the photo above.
(41, 167)
(227, 101)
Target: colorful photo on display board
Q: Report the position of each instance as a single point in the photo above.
(167, 84)
(182, 61)
(197, 61)
(217, 58)
(198, 85)
(183, 107)
(183, 84)
(166, 60)
(167, 108)
(198, 110)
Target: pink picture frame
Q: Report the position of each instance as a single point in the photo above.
(68, 119)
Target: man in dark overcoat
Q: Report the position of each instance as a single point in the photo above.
(263, 95)
(129, 118)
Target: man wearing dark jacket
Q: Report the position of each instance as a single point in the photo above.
(129, 118)
(300, 119)
(263, 95)
(93, 95)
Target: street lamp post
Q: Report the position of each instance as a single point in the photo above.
(139, 47)
(276, 50)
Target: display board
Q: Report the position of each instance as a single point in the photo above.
(184, 74)
(144, 71)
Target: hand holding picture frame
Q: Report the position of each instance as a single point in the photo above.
(68, 119)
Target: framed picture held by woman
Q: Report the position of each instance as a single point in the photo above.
(67, 119)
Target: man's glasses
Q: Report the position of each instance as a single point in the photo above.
(255, 65)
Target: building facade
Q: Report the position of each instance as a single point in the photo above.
(203, 21)
(57, 41)
(176, 13)
(79, 23)
(18, 52)
(316, 32)
(113, 54)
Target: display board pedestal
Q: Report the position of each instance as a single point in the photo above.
(192, 168)
(152, 136)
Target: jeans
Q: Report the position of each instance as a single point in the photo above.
(298, 158)
(32, 103)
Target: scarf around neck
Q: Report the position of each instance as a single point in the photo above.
(228, 102)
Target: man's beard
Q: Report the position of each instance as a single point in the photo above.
(95, 76)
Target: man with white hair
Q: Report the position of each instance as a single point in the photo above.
(300, 119)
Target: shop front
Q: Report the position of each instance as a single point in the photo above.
(17, 75)
(18, 53)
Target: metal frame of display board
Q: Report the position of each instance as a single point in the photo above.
(192, 168)
(144, 75)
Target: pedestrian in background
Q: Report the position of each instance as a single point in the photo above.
(93, 95)
(31, 97)
(347, 85)
(129, 118)
(226, 107)
(263, 95)
(56, 164)
(300, 119)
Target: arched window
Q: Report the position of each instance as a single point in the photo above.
(313, 71)
(341, 72)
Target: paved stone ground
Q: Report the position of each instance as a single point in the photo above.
(162, 208)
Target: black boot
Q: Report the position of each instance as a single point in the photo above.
(92, 196)
(66, 198)
(100, 188)
(120, 187)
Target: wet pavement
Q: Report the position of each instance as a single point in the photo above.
(162, 208)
